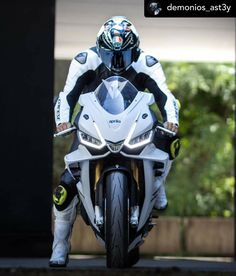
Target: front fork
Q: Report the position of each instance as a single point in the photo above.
(133, 200)
(134, 216)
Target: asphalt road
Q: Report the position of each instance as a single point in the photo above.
(93, 265)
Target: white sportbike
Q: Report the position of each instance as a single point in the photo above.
(120, 165)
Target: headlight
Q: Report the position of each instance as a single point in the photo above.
(141, 140)
(91, 141)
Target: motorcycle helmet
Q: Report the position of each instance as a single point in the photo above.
(117, 44)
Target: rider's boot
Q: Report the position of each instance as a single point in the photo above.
(64, 221)
(161, 202)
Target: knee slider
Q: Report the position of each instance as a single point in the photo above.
(171, 145)
(62, 196)
(174, 148)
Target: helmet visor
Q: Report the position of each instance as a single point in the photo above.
(116, 61)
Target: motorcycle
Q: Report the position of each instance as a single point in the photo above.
(120, 165)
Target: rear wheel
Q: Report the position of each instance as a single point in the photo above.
(117, 226)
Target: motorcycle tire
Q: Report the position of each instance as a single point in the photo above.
(133, 256)
(117, 226)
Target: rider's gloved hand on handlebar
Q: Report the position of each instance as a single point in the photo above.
(63, 126)
(171, 126)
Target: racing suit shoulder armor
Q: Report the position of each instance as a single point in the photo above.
(150, 60)
(82, 57)
(146, 63)
(88, 60)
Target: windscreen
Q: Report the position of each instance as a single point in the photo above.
(115, 94)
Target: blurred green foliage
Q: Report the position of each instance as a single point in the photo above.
(201, 181)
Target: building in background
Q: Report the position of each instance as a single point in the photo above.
(170, 39)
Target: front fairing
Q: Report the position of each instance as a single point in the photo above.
(114, 112)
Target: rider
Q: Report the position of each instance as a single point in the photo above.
(117, 53)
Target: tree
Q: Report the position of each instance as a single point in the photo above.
(201, 182)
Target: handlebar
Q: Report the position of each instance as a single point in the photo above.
(61, 133)
(166, 130)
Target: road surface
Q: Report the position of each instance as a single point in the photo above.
(96, 265)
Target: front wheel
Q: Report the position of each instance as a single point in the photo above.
(117, 226)
(133, 256)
